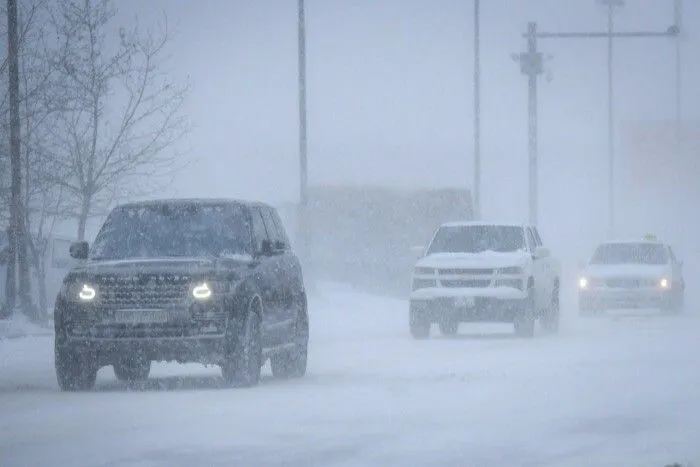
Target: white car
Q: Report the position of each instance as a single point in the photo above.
(484, 272)
(631, 274)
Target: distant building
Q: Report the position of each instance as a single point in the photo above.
(363, 235)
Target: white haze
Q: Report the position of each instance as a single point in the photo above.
(390, 103)
(390, 98)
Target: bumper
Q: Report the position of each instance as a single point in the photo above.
(616, 299)
(195, 336)
(201, 349)
(497, 305)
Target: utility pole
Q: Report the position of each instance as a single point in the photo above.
(302, 215)
(611, 4)
(678, 11)
(477, 113)
(531, 65)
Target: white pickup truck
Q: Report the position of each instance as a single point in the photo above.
(484, 272)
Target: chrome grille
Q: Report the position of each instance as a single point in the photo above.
(471, 283)
(628, 282)
(144, 290)
(465, 272)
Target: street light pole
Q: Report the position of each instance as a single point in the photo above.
(611, 4)
(477, 113)
(678, 8)
(302, 214)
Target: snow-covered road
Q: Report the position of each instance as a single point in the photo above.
(622, 392)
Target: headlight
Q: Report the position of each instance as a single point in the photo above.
(664, 283)
(512, 270)
(80, 291)
(87, 293)
(205, 289)
(583, 283)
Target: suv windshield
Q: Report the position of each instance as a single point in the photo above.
(477, 238)
(630, 253)
(173, 230)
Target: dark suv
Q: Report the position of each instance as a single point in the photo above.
(208, 281)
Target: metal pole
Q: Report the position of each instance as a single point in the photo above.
(532, 120)
(679, 102)
(16, 230)
(477, 114)
(611, 128)
(678, 8)
(303, 229)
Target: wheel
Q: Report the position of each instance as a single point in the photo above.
(418, 323)
(136, 368)
(449, 327)
(76, 369)
(243, 359)
(551, 318)
(292, 363)
(524, 324)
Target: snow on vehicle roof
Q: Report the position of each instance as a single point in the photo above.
(480, 223)
(191, 201)
(628, 241)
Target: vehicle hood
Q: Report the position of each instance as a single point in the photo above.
(486, 259)
(625, 270)
(185, 265)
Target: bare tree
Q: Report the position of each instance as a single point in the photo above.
(42, 198)
(121, 115)
(34, 74)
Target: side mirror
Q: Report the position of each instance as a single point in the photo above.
(280, 245)
(79, 250)
(542, 252)
(268, 248)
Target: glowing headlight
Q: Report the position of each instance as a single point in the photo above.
(663, 283)
(87, 293)
(583, 283)
(201, 291)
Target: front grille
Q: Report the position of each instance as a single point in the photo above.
(470, 283)
(144, 290)
(99, 325)
(628, 283)
(423, 283)
(465, 272)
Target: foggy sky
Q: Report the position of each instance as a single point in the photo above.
(390, 97)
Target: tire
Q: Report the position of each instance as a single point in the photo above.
(524, 323)
(243, 359)
(449, 327)
(552, 316)
(293, 363)
(76, 368)
(134, 369)
(418, 323)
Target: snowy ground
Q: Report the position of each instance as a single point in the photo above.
(611, 392)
